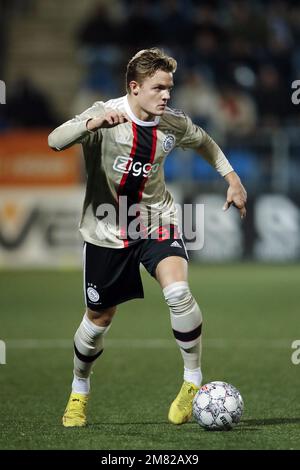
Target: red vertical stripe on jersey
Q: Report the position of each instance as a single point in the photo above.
(125, 175)
(133, 181)
(153, 150)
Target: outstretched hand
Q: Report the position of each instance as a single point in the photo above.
(236, 195)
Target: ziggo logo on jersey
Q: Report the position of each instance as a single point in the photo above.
(126, 164)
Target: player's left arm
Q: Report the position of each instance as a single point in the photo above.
(236, 193)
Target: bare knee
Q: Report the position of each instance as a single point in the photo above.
(171, 269)
(101, 317)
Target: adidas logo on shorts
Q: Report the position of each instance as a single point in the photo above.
(176, 245)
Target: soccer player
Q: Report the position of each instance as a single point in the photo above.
(125, 142)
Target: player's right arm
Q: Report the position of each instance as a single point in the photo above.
(85, 128)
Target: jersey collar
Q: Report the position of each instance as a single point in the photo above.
(138, 121)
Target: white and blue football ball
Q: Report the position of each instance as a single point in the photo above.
(218, 406)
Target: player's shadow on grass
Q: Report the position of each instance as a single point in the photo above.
(244, 425)
(267, 422)
(140, 423)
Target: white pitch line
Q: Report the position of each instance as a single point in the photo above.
(152, 343)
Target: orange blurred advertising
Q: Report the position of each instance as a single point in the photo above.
(26, 160)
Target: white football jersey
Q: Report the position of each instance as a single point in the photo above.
(125, 170)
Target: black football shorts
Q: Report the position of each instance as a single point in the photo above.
(112, 275)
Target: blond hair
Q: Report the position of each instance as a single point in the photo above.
(145, 64)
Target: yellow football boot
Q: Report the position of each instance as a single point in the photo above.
(75, 414)
(181, 409)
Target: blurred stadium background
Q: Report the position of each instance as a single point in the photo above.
(236, 64)
(237, 61)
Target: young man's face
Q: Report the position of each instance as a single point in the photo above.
(153, 93)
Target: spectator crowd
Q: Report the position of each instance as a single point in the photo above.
(236, 61)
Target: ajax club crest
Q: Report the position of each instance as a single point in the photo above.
(92, 294)
(169, 142)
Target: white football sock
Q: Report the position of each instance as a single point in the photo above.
(81, 385)
(193, 375)
(88, 346)
(186, 320)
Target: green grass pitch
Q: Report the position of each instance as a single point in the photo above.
(251, 318)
